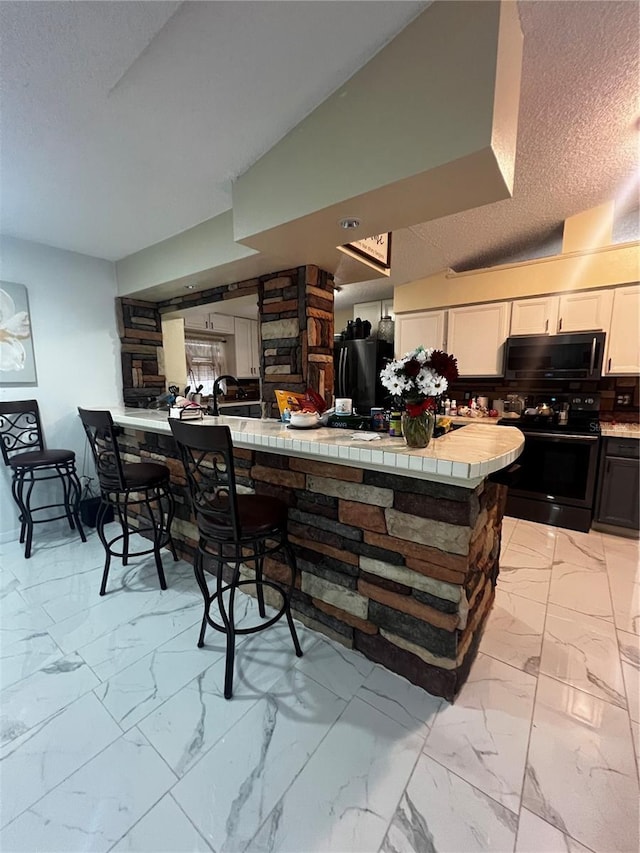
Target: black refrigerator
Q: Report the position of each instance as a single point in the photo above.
(357, 365)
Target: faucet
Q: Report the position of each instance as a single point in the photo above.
(216, 390)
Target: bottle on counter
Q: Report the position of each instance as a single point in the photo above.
(447, 406)
(395, 424)
(454, 408)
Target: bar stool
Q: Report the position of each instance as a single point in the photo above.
(125, 486)
(233, 529)
(24, 452)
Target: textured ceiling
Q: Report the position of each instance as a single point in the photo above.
(124, 123)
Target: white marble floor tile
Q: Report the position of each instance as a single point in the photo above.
(513, 632)
(624, 580)
(537, 836)
(23, 657)
(508, 526)
(186, 726)
(93, 808)
(139, 689)
(346, 795)
(33, 764)
(107, 614)
(31, 700)
(164, 829)
(579, 549)
(396, 697)
(582, 588)
(129, 642)
(483, 736)
(439, 811)
(55, 557)
(580, 771)
(582, 651)
(525, 573)
(233, 788)
(635, 733)
(538, 540)
(339, 669)
(630, 657)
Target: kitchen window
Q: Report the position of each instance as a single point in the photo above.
(206, 360)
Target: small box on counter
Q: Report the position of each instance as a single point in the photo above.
(349, 422)
(186, 413)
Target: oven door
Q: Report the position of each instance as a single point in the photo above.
(558, 467)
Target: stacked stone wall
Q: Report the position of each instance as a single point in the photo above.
(295, 332)
(402, 569)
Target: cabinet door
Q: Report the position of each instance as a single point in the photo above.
(222, 323)
(244, 364)
(623, 344)
(371, 311)
(619, 503)
(476, 338)
(422, 328)
(247, 347)
(255, 348)
(534, 316)
(197, 321)
(586, 311)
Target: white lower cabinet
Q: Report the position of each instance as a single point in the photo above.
(476, 337)
(426, 328)
(623, 341)
(247, 348)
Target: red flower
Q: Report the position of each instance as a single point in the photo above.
(444, 364)
(412, 368)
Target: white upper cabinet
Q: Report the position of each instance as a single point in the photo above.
(623, 341)
(538, 316)
(586, 311)
(371, 311)
(224, 323)
(247, 348)
(476, 338)
(197, 321)
(424, 328)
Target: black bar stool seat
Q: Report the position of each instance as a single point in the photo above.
(234, 530)
(32, 464)
(127, 487)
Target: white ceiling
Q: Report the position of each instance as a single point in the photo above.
(124, 123)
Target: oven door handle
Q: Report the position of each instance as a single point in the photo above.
(561, 436)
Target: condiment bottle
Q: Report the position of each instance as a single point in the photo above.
(395, 424)
(454, 408)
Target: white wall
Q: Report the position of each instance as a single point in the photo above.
(77, 349)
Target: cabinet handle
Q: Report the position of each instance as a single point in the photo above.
(546, 325)
(560, 325)
(609, 366)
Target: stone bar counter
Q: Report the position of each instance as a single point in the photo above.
(397, 549)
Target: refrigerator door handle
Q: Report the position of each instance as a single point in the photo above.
(343, 378)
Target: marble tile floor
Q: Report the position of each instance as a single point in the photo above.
(114, 734)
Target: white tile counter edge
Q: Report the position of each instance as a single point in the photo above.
(463, 457)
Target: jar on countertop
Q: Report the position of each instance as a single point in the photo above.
(395, 425)
(378, 423)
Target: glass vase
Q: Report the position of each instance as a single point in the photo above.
(418, 430)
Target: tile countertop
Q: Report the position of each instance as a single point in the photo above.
(463, 457)
(610, 430)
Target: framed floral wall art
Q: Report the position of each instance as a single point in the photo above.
(17, 360)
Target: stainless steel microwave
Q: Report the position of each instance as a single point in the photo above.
(564, 356)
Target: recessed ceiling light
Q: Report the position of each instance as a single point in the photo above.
(349, 222)
(190, 286)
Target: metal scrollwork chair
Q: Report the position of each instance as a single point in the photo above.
(234, 529)
(25, 453)
(128, 486)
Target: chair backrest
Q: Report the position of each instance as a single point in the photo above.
(207, 456)
(101, 433)
(20, 428)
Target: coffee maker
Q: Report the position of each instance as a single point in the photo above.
(514, 404)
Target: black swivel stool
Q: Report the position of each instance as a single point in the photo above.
(24, 452)
(125, 486)
(233, 529)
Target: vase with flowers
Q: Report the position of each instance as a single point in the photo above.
(415, 382)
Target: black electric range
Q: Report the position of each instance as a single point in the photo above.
(557, 476)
